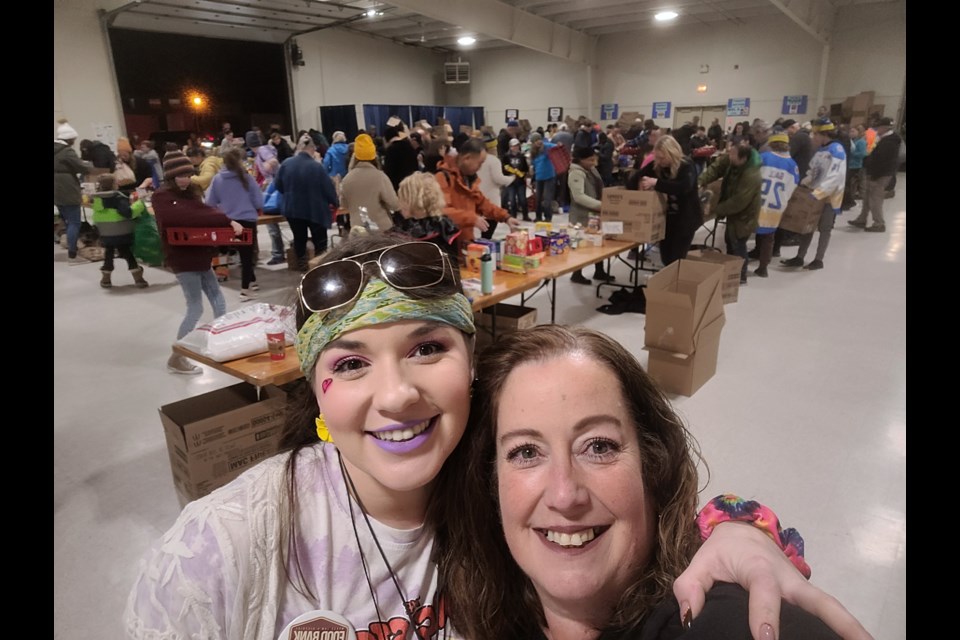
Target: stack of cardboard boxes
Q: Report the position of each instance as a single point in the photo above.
(684, 320)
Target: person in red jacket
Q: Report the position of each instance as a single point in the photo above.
(179, 203)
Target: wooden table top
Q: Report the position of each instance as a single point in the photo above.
(260, 370)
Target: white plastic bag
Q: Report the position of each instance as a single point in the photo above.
(241, 333)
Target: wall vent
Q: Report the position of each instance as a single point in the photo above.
(456, 72)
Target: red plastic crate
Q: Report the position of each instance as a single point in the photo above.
(207, 237)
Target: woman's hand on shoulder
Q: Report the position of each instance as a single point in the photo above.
(739, 553)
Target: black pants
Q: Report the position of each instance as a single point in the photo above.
(318, 233)
(247, 257)
(124, 251)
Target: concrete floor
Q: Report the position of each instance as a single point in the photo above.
(807, 413)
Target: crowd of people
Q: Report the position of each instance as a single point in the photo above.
(479, 179)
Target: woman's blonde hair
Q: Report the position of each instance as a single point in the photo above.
(669, 146)
(420, 193)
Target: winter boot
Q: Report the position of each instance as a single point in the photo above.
(105, 279)
(138, 278)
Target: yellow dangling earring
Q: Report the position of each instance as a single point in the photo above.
(322, 432)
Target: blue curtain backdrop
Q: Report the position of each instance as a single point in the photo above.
(424, 112)
(477, 117)
(378, 114)
(457, 116)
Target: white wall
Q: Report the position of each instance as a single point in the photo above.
(84, 88)
(517, 78)
(348, 68)
(868, 53)
(775, 58)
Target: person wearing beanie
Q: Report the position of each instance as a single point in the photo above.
(826, 178)
(586, 186)
(252, 140)
(780, 175)
(309, 196)
(739, 200)
(336, 157)
(515, 193)
(503, 139)
(493, 180)
(366, 192)
(179, 203)
(67, 194)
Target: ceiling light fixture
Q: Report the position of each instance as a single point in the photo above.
(466, 41)
(664, 16)
(372, 13)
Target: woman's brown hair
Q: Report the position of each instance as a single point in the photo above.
(487, 594)
(233, 161)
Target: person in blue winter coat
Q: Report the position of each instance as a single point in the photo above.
(335, 160)
(826, 177)
(308, 195)
(544, 175)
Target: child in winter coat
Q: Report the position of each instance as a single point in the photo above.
(116, 222)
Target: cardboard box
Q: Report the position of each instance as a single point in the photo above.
(474, 251)
(732, 266)
(627, 119)
(510, 318)
(682, 299)
(634, 216)
(863, 101)
(493, 247)
(802, 213)
(846, 108)
(593, 239)
(877, 110)
(684, 374)
(214, 437)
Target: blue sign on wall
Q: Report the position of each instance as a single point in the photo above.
(738, 107)
(661, 110)
(794, 105)
(609, 111)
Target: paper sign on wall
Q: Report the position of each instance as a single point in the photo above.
(738, 107)
(794, 105)
(609, 111)
(105, 133)
(661, 110)
(555, 114)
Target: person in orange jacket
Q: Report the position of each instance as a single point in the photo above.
(465, 204)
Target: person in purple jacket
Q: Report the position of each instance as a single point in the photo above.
(236, 193)
(179, 203)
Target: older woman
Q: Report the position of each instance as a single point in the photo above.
(573, 510)
(366, 188)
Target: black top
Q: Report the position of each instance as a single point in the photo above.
(725, 616)
(801, 150)
(683, 201)
(399, 161)
(884, 160)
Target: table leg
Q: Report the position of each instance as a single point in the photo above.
(553, 301)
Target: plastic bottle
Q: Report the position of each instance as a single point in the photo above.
(486, 274)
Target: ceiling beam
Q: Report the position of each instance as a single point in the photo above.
(505, 22)
(816, 18)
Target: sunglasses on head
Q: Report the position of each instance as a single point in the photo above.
(405, 267)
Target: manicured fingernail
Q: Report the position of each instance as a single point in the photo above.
(687, 615)
(766, 632)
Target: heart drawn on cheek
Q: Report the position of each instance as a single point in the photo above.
(326, 384)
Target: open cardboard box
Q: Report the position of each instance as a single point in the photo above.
(732, 266)
(683, 298)
(214, 437)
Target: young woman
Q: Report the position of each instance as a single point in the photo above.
(237, 194)
(570, 512)
(344, 521)
(179, 203)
